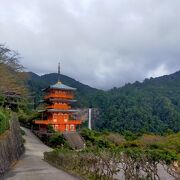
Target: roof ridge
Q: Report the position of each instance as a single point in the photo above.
(60, 85)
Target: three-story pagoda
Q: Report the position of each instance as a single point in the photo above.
(59, 113)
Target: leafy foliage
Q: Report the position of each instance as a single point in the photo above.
(57, 140)
(11, 78)
(129, 140)
(84, 93)
(136, 159)
(13, 92)
(94, 138)
(151, 106)
(134, 163)
(4, 120)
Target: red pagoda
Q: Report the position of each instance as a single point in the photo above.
(58, 113)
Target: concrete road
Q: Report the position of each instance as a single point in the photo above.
(31, 166)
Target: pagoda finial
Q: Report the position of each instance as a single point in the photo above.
(59, 72)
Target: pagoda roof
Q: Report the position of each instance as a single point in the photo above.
(60, 85)
(62, 100)
(59, 110)
(59, 100)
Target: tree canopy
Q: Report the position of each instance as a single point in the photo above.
(11, 78)
(151, 106)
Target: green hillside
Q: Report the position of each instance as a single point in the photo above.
(84, 92)
(13, 93)
(150, 106)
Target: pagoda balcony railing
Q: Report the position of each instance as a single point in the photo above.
(59, 106)
(74, 122)
(52, 122)
(58, 96)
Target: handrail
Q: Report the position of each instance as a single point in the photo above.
(58, 96)
(59, 106)
(58, 123)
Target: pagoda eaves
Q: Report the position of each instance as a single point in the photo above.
(59, 112)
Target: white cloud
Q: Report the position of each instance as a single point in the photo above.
(101, 43)
(159, 71)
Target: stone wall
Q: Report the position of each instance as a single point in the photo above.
(11, 146)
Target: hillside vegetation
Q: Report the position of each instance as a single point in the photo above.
(4, 121)
(108, 154)
(84, 92)
(13, 92)
(151, 106)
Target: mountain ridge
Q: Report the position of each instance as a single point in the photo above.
(55, 78)
(38, 82)
(149, 106)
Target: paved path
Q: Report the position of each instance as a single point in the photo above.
(31, 165)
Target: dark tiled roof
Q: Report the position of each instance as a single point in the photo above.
(59, 85)
(60, 110)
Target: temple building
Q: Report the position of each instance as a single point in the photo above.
(58, 113)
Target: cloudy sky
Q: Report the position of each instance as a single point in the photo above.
(102, 43)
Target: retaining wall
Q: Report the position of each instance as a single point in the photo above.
(11, 146)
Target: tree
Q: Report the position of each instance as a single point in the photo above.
(13, 91)
(11, 76)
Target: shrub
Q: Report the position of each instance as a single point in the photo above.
(57, 140)
(136, 163)
(50, 129)
(116, 139)
(4, 121)
(2, 99)
(129, 136)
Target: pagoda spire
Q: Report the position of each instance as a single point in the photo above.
(59, 72)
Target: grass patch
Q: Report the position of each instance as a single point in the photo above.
(4, 121)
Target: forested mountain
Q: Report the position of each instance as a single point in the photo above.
(84, 92)
(150, 106)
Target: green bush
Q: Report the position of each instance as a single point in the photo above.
(2, 99)
(129, 136)
(57, 140)
(104, 163)
(94, 138)
(50, 129)
(4, 121)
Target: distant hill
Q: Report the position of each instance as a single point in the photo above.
(150, 106)
(84, 92)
